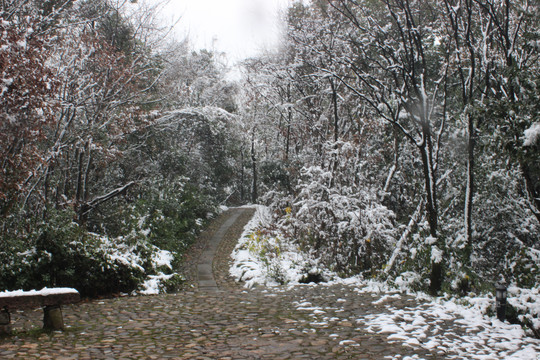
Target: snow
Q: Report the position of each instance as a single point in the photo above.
(456, 327)
(5, 87)
(531, 135)
(527, 301)
(477, 336)
(43, 292)
(406, 280)
(430, 240)
(152, 285)
(8, 81)
(348, 343)
(162, 258)
(123, 254)
(436, 255)
(246, 266)
(403, 114)
(386, 297)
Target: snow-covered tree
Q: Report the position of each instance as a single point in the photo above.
(425, 93)
(27, 100)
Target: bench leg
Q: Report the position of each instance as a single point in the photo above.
(52, 318)
(5, 322)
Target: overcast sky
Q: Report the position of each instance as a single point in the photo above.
(241, 28)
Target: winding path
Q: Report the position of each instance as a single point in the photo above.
(214, 318)
(205, 274)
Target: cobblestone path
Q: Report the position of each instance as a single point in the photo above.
(229, 323)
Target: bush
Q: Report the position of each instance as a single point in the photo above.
(141, 237)
(59, 253)
(170, 218)
(348, 228)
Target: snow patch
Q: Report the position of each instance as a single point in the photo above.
(153, 285)
(246, 267)
(436, 254)
(162, 258)
(43, 292)
(265, 260)
(527, 302)
(531, 135)
(432, 325)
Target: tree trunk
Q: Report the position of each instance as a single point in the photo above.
(469, 193)
(429, 183)
(394, 167)
(86, 175)
(254, 170)
(242, 175)
(79, 154)
(531, 190)
(289, 120)
(336, 130)
(436, 277)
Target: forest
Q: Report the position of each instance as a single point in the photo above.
(395, 139)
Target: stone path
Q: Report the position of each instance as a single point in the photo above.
(205, 274)
(302, 322)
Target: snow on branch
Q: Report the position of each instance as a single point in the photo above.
(85, 208)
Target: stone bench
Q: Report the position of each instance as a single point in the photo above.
(50, 300)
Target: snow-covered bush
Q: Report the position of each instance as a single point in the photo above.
(267, 250)
(264, 255)
(345, 225)
(525, 308)
(161, 283)
(164, 218)
(167, 213)
(61, 253)
(506, 231)
(408, 280)
(409, 267)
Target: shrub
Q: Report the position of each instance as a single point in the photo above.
(59, 253)
(348, 228)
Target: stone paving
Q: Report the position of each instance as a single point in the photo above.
(205, 271)
(221, 321)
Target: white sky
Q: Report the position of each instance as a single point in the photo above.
(240, 28)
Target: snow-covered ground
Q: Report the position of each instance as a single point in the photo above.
(474, 334)
(446, 327)
(280, 263)
(247, 266)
